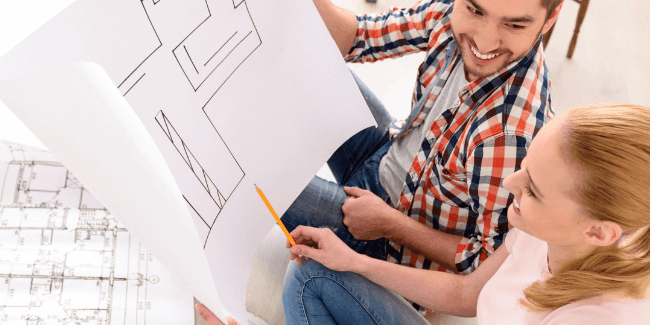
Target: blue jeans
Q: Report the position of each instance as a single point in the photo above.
(355, 163)
(313, 294)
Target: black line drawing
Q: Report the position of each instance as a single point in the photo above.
(208, 51)
(136, 82)
(63, 262)
(212, 49)
(206, 212)
(153, 48)
(212, 34)
(33, 190)
(160, 44)
(237, 4)
(219, 50)
(240, 63)
(188, 56)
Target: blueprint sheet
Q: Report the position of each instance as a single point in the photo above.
(170, 110)
(64, 259)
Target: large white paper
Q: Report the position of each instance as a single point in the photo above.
(232, 93)
(64, 259)
(88, 125)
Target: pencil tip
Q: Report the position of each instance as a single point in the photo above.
(257, 188)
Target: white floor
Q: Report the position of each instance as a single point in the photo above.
(611, 63)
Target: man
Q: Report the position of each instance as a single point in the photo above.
(481, 95)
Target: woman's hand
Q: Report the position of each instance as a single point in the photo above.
(211, 319)
(324, 246)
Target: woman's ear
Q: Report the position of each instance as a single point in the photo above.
(603, 233)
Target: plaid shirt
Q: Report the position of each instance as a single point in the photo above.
(454, 183)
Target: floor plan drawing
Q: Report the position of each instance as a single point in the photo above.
(64, 259)
(211, 47)
(170, 111)
(207, 50)
(204, 205)
(171, 54)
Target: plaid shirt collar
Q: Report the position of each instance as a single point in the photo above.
(476, 91)
(482, 87)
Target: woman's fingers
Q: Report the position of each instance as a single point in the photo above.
(207, 315)
(211, 319)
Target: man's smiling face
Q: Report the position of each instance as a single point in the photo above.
(494, 33)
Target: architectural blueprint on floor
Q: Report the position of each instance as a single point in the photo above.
(64, 259)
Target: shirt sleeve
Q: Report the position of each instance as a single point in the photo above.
(395, 31)
(488, 164)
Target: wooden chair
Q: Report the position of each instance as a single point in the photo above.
(581, 16)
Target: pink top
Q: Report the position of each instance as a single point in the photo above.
(498, 302)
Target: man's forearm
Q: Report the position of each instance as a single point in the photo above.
(341, 24)
(435, 245)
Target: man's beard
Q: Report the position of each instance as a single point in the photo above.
(470, 70)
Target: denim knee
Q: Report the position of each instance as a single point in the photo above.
(297, 275)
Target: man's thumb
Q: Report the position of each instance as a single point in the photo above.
(353, 191)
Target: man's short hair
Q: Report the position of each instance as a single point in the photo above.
(550, 5)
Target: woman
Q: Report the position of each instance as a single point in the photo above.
(579, 252)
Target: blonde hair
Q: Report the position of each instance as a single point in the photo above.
(610, 144)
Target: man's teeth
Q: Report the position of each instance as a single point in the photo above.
(483, 56)
(516, 204)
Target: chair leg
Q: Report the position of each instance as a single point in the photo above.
(546, 37)
(581, 16)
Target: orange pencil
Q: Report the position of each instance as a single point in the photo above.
(275, 215)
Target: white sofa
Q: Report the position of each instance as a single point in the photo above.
(264, 291)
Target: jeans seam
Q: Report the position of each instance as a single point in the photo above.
(339, 283)
(302, 302)
(359, 171)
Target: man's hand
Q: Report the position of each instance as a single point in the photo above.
(211, 319)
(324, 246)
(366, 215)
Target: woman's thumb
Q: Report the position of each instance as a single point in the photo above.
(303, 250)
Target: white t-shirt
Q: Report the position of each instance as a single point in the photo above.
(498, 302)
(396, 163)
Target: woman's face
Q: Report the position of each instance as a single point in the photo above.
(546, 204)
